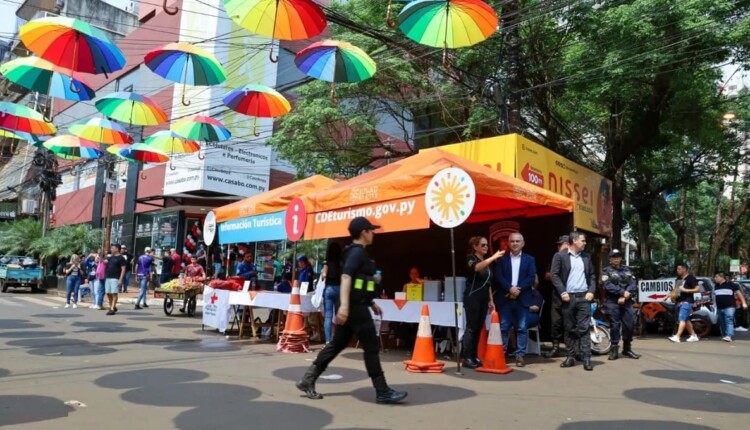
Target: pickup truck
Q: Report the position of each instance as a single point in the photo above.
(17, 272)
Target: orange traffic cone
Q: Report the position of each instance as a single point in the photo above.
(423, 359)
(482, 348)
(494, 361)
(294, 338)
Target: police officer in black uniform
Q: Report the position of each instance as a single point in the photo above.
(358, 292)
(619, 283)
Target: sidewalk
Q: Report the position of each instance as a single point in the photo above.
(126, 298)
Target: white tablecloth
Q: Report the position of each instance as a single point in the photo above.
(441, 313)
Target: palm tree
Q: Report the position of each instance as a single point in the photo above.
(18, 236)
(70, 239)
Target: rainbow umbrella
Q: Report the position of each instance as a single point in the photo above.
(278, 19)
(186, 63)
(143, 153)
(37, 74)
(72, 147)
(447, 23)
(131, 108)
(335, 61)
(17, 135)
(258, 101)
(100, 130)
(201, 128)
(72, 43)
(14, 117)
(170, 143)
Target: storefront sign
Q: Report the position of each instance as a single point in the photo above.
(519, 157)
(404, 214)
(654, 291)
(295, 220)
(253, 229)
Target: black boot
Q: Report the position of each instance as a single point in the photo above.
(613, 352)
(385, 394)
(554, 352)
(587, 364)
(307, 383)
(627, 352)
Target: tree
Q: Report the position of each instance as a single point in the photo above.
(67, 240)
(19, 236)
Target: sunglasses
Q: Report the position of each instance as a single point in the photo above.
(483, 245)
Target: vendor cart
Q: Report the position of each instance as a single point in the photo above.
(186, 297)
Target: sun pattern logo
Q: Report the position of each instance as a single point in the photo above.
(450, 197)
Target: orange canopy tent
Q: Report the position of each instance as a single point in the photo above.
(272, 201)
(393, 197)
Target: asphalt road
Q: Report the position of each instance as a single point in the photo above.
(141, 369)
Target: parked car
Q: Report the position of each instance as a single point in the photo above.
(742, 317)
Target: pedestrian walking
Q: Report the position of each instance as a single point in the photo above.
(687, 285)
(619, 284)
(331, 274)
(358, 292)
(116, 268)
(727, 295)
(573, 278)
(144, 268)
(128, 267)
(556, 315)
(101, 275)
(74, 273)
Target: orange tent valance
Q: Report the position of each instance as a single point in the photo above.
(272, 201)
(393, 196)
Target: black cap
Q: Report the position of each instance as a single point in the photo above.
(360, 224)
(563, 239)
(614, 253)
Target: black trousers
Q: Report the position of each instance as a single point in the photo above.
(577, 318)
(475, 308)
(557, 330)
(360, 324)
(621, 319)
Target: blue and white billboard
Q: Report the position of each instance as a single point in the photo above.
(253, 228)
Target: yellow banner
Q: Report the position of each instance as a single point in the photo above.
(498, 153)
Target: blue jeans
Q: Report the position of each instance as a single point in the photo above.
(71, 287)
(143, 282)
(126, 281)
(330, 299)
(99, 292)
(513, 314)
(217, 269)
(726, 321)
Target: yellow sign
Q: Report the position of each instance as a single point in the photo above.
(519, 157)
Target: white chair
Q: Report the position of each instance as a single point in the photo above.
(534, 345)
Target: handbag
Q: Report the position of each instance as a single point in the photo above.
(317, 298)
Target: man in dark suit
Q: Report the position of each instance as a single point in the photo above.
(515, 274)
(573, 278)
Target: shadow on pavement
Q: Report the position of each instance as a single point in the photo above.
(4, 372)
(46, 342)
(632, 424)
(154, 319)
(30, 409)
(12, 324)
(30, 334)
(205, 345)
(191, 394)
(61, 316)
(333, 375)
(260, 415)
(385, 357)
(107, 327)
(149, 377)
(515, 376)
(695, 376)
(690, 400)
(419, 394)
(61, 346)
(180, 325)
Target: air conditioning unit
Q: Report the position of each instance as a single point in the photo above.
(28, 206)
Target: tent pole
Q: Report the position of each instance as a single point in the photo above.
(455, 302)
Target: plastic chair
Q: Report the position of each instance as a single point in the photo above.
(534, 345)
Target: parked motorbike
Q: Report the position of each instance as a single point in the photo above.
(662, 317)
(601, 342)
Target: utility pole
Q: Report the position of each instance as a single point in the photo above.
(48, 182)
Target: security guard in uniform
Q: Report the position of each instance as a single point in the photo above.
(358, 292)
(619, 283)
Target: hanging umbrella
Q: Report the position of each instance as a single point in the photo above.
(143, 153)
(33, 140)
(100, 130)
(37, 74)
(258, 101)
(72, 147)
(171, 143)
(335, 61)
(131, 108)
(14, 117)
(187, 64)
(447, 23)
(72, 43)
(201, 128)
(278, 19)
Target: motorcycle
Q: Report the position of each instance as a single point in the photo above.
(601, 342)
(662, 315)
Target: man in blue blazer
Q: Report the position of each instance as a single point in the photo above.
(515, 274)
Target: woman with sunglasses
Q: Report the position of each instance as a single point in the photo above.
(477, 296)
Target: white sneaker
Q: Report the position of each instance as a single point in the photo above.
(693, 338)
(75, 306)
(67, 306)
(740, 329)
(726, 339)
(92, 307)
(674, 339)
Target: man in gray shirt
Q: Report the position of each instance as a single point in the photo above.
(573, 278)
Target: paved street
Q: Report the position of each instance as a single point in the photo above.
(141, 369)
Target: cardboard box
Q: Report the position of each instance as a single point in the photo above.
(460, 287)
(414, 292)
(432, 290)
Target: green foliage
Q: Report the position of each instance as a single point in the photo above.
(67, 240)
(18, 236)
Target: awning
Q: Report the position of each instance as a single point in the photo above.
(393, 196)
(262, 216)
